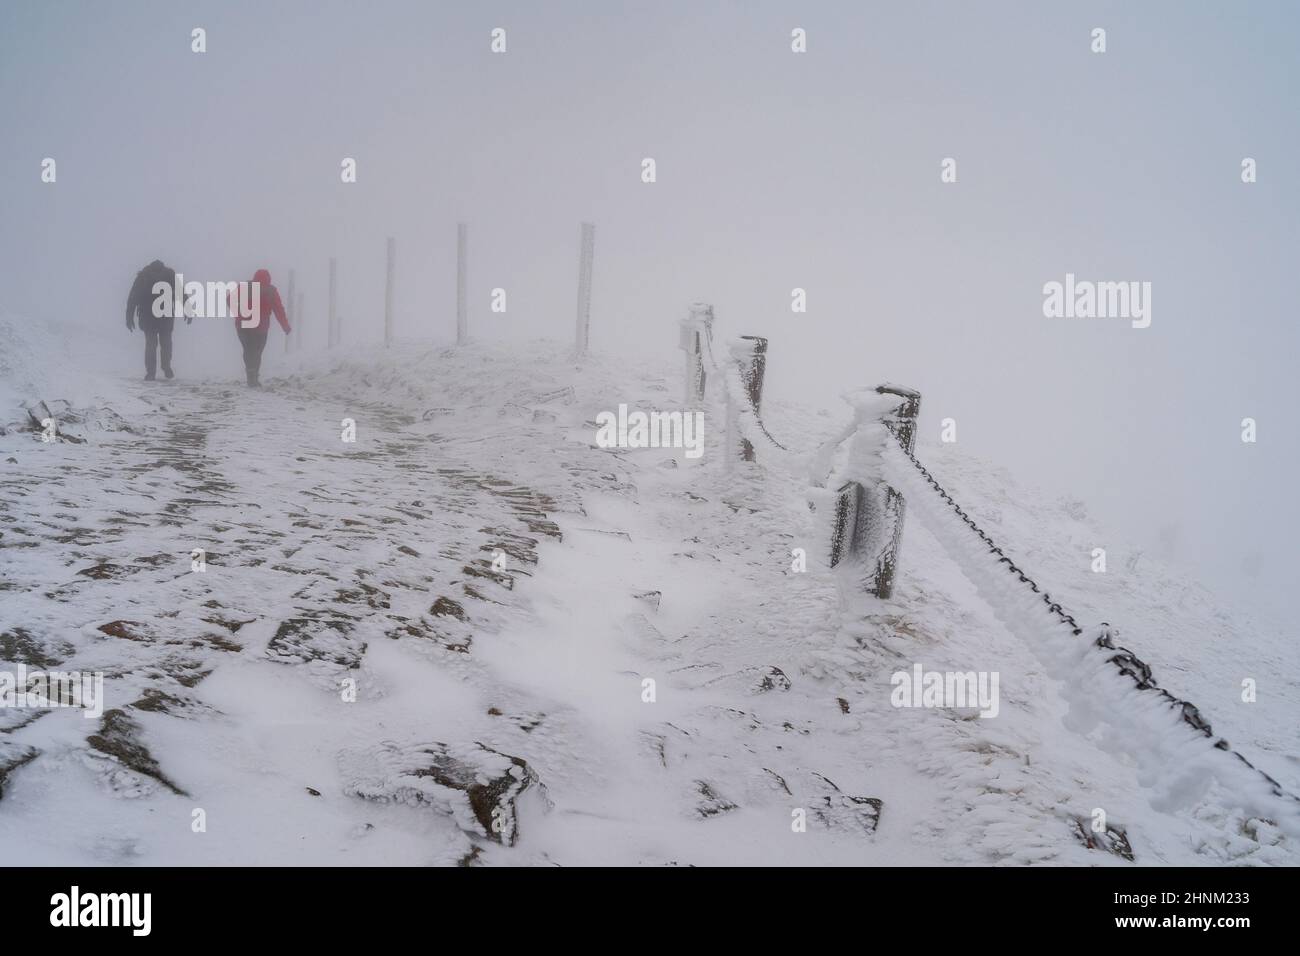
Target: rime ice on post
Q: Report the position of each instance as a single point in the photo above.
(388, 292)
(869, 513)
(462, 268)
(750, 355)
(332, 333)
(696, 330)
(585, 253)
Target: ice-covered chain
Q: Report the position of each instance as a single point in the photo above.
(1124, 660)
(733, 382)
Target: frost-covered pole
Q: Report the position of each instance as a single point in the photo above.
(297, 324)
(388, 292)
(585, 253)
(332, 332)
(750, 355)
(292, 316)
(462, 272)
(869, 515)
(695, 328)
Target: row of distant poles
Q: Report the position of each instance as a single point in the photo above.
(334, 330)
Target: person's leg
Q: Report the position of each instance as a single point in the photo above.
(259, 344)
(246, 345)
(150, 351)
(165, 340)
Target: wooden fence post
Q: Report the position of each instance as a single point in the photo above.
(332, 333)
(292, 315)
(750, 355)
(586, 251)
(388, 292)
(462, 274)
(696, 331)
(869, 513)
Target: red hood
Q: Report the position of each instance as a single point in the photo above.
(262, 276)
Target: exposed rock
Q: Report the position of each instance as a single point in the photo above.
(755, 680)
(13, 756)
(711, 803)
(446, 607)
(363, 593)
(155, 701)
(118, 738)
(1112, 840)
(518, 546)
(773, 678)
(471, 858)
(479, 787)
(842, 811)
(839, 810)
(427, 630)
(20, 646)
(126, 630)
(106, 571)
(480, 568)
(229, 624)
(301, 639)
(215, 641)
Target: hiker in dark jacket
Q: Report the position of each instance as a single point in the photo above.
(157, 329)
(254, 327)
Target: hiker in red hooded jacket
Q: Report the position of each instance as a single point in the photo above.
(254, 327)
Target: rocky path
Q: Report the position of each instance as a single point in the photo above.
(242, 532)
(471, 636)
(310, 642)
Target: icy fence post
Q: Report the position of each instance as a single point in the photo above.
(297, 324)
(750, 354)
(388, 292)
(332, 332)
(694, 328)
(585, 252)
(868, 522)
(293, 315)
(462, 273)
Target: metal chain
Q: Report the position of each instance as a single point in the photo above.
(1125, 661)
(708, 341)
(1052, 606)
(763, 428)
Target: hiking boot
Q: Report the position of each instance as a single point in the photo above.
(148, 377)
(169, 373)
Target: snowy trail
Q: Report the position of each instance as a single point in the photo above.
(498, 590)
(316, 566)
(328, 561)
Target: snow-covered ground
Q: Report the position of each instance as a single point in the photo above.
(431, 645)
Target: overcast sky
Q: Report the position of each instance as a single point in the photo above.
(775, 170)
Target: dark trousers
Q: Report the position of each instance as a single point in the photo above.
(157, 331)
(253, 342)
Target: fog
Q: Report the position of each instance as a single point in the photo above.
(775, 170)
